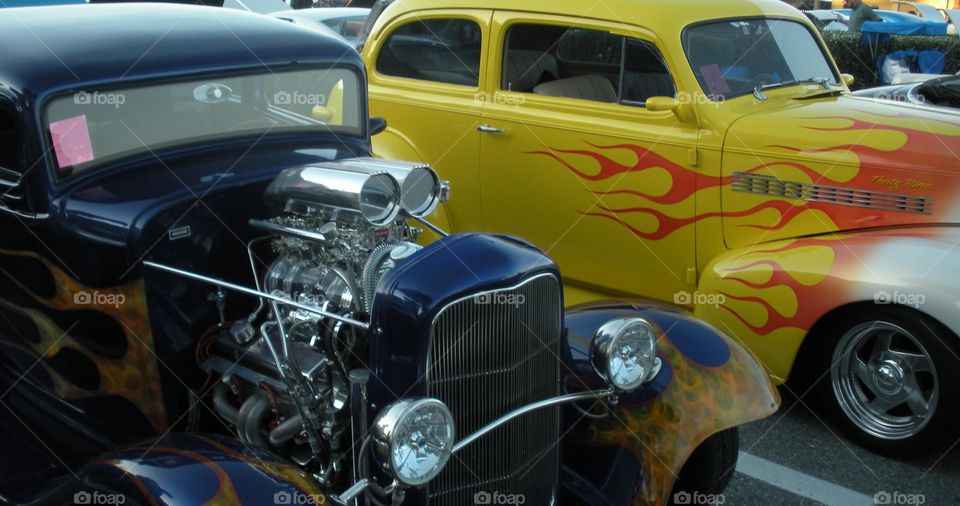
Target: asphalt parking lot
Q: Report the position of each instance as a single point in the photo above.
(796, 458)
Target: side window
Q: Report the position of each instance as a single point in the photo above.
(583, 64)
(645, 74)
(440, 50)
(590, 46)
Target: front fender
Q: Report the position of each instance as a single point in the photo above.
(190, 469)
(769, 296)
(708, 383)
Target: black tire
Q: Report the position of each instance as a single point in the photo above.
(709, 469)
(941, 347)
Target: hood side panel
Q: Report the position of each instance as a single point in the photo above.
(838, 164)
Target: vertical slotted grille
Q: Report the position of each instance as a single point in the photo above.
(490, 354)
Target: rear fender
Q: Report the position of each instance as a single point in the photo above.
(707, 383)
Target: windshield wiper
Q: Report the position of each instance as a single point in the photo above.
(822, 81)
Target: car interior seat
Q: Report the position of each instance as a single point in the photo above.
(526, 69)
(587, 87)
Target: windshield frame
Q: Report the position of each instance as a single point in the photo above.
(49, 156)
(805, 23)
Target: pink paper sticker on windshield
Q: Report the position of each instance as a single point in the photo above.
(71, 141)
(714, 78)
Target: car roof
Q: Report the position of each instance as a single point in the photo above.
(37, 3)
(926, 11)
(49, 48)
(899, 17)
(664, 16)
(824, 14)
(259, 6)
(309, 23)
(324, 13)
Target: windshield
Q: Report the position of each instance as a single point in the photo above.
(944, 91)
(93, 127)
(731, 58)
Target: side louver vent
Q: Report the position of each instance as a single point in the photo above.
(774, 187)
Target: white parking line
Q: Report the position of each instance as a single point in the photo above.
(799, 483)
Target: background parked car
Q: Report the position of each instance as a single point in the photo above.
(38, 3)
(701, 154)
(894, 16)
(257, 6)
(921, 10)
(940, 92)
(931, 13)
(953, 17)
(837, 19)
(344, 21)
(828, 20)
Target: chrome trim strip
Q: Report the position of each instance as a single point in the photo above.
(354, 491)
(497, 290)
(761, 184)
(281, 229)
(22, 214)
(433, 228)
(546, 403)
(255, 293)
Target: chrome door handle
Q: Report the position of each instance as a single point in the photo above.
(490, 129)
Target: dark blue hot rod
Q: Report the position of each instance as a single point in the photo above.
(211, 294)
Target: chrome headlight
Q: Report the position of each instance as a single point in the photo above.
(414, 439)
(624, 352)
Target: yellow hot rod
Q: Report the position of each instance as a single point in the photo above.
(705, 154)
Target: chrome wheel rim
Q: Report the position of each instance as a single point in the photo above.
(884, 380)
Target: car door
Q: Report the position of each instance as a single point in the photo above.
(574, 161)
(425, 69)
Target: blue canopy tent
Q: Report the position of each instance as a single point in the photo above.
(924, 62)
(882, 30)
